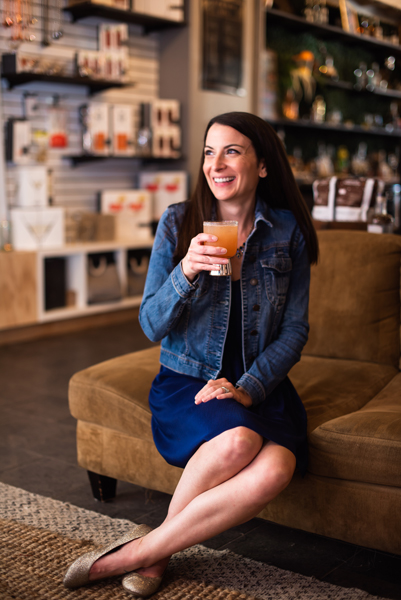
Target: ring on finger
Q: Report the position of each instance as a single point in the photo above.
(225, 390)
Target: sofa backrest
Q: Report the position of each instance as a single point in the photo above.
(354, 310)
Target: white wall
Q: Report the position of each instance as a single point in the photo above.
(204, 104)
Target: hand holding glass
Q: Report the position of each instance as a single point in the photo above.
(227, 234)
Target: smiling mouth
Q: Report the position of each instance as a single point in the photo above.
(223, 179)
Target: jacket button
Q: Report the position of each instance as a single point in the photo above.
(254, 332)
(256, 307)
(253, 281)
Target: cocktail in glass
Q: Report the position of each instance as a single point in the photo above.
(227, 234)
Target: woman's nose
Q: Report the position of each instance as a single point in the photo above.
(218, 161)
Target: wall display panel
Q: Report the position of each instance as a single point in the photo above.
(222, 45)
(69, 187)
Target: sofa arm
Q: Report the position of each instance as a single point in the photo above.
(362, 446)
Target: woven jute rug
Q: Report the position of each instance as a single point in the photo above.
(40, 537)
(33, 562)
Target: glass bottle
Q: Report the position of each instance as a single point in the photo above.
(308, 11)
(324, 12)
(380, 221)
(144, 139)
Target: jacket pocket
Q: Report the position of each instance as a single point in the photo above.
(277, 272)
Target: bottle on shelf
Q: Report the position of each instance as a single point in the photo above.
(359, 162)
(318, 112)
(144, 139)
(324, 12)
(342, 165)
(361, 77)
(308, 10)
(377, 30)
(379, 221)
(394, 205)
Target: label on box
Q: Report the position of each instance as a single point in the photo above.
(132, 210)
(167, 187)
(123, 132)
(32, 186)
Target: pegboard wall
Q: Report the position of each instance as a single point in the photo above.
(73, 187)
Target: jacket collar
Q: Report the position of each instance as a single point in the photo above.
(262, 212)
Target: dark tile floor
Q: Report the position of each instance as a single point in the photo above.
(37, 452)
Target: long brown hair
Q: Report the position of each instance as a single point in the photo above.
(278, 190)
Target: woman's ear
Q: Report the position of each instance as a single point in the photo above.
(262, 169)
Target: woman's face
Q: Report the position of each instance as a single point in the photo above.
(230, 164)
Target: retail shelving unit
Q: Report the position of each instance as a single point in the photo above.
(83, 10)
(76, 256)
(350, 133)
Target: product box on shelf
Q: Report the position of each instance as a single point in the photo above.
(165, 113)
(113, 37)
(122, 130)
(167, 187)
(137, 268)
(347, 199)
(36, 228)
(95, 118)
(111, 65)
(164, 9)
(18, 134)
(166, 142)
(32, 186)
(132, 210)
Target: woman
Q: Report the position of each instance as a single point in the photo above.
(222, 404)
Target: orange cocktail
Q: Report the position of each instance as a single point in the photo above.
(227, 234)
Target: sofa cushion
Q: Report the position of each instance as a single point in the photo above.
(355, 297)
(362, 446)
(331, 387)
(115, 392)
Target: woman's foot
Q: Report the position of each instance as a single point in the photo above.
(123, 560)
(156, 570)
(80, 571)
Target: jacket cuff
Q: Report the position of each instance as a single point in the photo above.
(182, 285)
(254, 388)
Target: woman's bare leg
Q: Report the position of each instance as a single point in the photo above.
(234, 501)
(214, 462)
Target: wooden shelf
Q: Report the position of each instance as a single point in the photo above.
(375, 131)
(83, 10)
(296, 23)
(95, 85)
(84, 158)
(350, 87)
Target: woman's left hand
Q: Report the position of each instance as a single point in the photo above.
(216, 388)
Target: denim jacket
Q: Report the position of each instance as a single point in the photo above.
(191, 319)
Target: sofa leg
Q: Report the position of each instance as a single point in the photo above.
(103, 487)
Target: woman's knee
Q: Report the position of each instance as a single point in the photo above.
(274, 476)
(241, 444)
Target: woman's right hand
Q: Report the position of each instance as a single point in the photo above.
(201, 257)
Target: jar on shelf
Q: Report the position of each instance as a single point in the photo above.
(379, 221)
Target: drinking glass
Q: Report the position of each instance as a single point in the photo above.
(227, 234)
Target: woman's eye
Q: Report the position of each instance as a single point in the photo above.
(208, 153)
(232, 151)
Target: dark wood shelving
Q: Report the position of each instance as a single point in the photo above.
(80, 159)
(95, 85)
(328, 31)
(376, 131)
(350, 87)
(82, 10)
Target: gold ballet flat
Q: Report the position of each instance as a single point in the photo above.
(142, 586)
(78, 573)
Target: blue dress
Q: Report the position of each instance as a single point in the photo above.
(180, 426)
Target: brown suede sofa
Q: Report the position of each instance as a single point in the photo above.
(348, 378)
